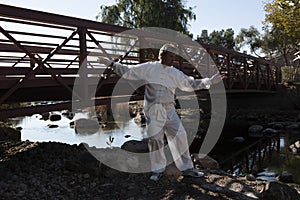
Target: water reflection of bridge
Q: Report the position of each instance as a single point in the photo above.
(41, 54)
(252, 157)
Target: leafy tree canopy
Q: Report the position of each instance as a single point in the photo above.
(171, 14)
(224, 38)
(249, 37)
(282, 26)
(284, 16)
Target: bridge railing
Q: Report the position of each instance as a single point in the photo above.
(245, 72)
(42, 51)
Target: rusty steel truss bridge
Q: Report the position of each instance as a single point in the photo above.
(43, 54)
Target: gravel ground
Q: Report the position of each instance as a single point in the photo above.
(59, 171)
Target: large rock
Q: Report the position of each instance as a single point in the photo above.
(269, 132)
(292, 127)
(53, 126)
(285, 177)
(68, 114)
(255, 131)
(277, 126)
(7, 133)
(136, 146)
(54, 117)
(122, 160)
(45, 116)
(205, 161)
(239, 139)
(172, 172)
(279, 191)
(86, 126)
(85, 163)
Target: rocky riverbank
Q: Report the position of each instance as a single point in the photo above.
(53, 170)
(59, 171)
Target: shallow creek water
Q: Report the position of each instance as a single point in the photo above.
(37, 130)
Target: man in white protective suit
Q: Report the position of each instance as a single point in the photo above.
(162, 79)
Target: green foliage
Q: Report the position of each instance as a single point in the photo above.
(288, 73)
(281, 35)
(204, 38)
(284, 16)
(148, 13)
(249, 37)
(224, 38)
(282, 26)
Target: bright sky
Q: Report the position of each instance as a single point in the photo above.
(211, 14)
